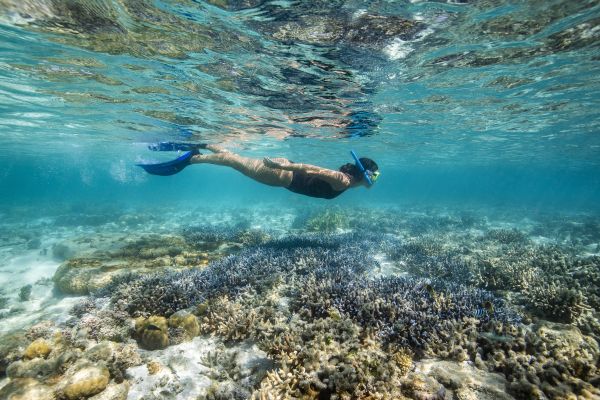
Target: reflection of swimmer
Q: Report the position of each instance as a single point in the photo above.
(306, 179)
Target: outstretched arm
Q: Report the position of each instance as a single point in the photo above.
(338, 180)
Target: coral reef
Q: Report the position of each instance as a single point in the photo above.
(558, 303)
(185, 324)
(151, 253)
(64, 363)
(506, 236)
(83, 380)
(84, 275)
(152, 332)
(25, 389)
(11, 349)
(100, 323)
(328, 220)
(212, 236)
(564, 362)
(38, 348)
(403, 305)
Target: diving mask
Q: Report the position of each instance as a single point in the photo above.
(373, 175)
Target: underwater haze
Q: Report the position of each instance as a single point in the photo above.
(470, 269)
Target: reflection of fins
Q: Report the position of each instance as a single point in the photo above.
(176, 146)
(170, 167)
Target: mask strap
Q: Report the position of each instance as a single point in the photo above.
(360, 166)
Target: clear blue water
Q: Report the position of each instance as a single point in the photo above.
(477, 250)
(492, 102)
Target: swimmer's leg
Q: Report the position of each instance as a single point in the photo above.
(250, 167)
(216, 149)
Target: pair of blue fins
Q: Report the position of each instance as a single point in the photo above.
(174, 166)
(191, 149)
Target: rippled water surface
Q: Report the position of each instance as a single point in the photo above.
(418, 86)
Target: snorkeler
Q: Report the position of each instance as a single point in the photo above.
(306, 179)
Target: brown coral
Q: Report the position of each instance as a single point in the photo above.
(152, 332)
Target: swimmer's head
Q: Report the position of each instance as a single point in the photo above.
(357, 175)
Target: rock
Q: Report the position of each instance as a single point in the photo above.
(11, 348)
(465, 380)
(153, 367)
(187, 322)
(152, 332)
(113, 392)
(38, 368)
(61, 251)
(26, 389)
(38, 348)
(103, 351)
(82, 276)
(84, 380)
(88, 273)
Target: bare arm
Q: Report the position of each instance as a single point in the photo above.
(338, 180)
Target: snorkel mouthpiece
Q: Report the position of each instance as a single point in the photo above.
(366, 173)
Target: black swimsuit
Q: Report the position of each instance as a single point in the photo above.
(313, 186)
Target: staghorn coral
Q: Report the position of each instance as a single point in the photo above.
(552, 360)
(506, 236)
(257, 267)
(557, 303)
(100, 323)
(213, 236)
(403, 310)
(334, 358)
(336, 331)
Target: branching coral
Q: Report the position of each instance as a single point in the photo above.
(402, 310)
(212, 236)
(328, 220)
(256, 267)
(312, 304)
(558, 303)
(333, 357)
(507, 236)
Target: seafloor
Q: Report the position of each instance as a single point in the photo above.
(327, 303)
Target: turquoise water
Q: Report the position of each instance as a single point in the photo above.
(488, 101)
(482, 115)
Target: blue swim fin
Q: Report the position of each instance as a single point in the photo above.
(170, 167)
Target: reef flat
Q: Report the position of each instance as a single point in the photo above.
(323, 303)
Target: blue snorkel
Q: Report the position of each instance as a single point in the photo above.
(362, 169)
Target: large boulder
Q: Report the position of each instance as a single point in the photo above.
(83, 380)
(26, 389)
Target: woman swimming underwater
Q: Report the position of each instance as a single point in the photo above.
(306, 179)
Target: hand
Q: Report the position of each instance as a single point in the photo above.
(271, 163)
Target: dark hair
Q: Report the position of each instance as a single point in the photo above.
(354, 171)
